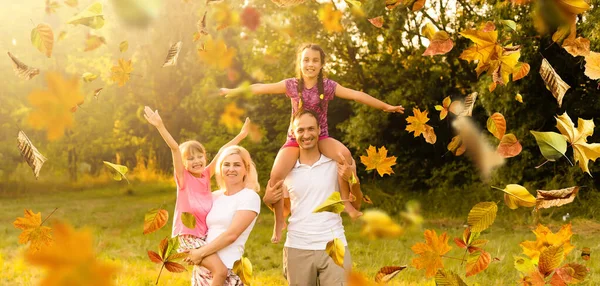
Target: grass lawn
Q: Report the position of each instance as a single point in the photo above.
(116, 218)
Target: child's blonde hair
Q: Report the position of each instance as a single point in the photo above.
(251, 178)
(190, 148)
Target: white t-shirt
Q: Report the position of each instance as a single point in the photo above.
(309, 187)
(221, 215)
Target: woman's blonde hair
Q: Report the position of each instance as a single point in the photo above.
(190, 148)
(251, 178)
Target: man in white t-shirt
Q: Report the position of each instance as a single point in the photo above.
(312, 180)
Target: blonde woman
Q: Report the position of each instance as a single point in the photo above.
(236, 206)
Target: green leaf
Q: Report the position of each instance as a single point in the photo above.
(88, 77)
(189, 220)
(481, 216)
(553, 145)
(123, 46)
(154, 220)
(118, 171)
(448, 278)
(332, 204)
(524, 264)
(510, 23)
(90, 16)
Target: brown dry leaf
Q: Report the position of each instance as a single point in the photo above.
(585, 253)
(439, 44)
(32, 156)
(577, 47)
(509, 146)
(52, 108)
(571, 273)
(545, 238)
(467, 108)
(172, 55)
(553, 82)
(93, 42)
(42, 38)
(592, 65)
(555, 198)
(33, 231)
(97, 93)
(387, 273)
(21, 69)
(477, 261)
(120, 72)
(430, 253)
(71, 260)
(378, 160)
(429, 135)
(154, 220)
(488, 27)
(250, 18)
(377, 21)
(521, 70)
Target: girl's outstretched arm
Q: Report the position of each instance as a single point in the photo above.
(257, 88)
(359, 96)
(154, 119)
(235, 141)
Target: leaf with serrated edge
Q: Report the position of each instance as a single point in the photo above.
(481, 216)
(550, 259)
(448, 278)
(582, 150)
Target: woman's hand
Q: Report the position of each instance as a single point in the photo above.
(195, 256)
(391, 108)
(152, 116)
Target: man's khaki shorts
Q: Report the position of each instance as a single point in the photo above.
(314, 267)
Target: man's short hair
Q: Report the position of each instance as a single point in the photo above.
(303, 111)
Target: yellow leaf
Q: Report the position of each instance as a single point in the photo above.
(582, 151)
(33, 231)
(358, 279)
(72, 3)
(216, 54)
(51, 6)
(496, 124)
(521, 70)
(154, 220)
(231, 117)
(519, 98)
(573, 6)
(443, 109)
(439, 44)
(416, 124)
(592, 65)
(517, 196)
(224, 16)
(333, 203)
(42, 38)
(446, 277)
(120, 72)
(331, 18)
(577, 47)
(52, 108)
(546, 238)
(91, 16)
(387, 273)
(428, 30)
(21, 69)
(456, 146)
(71, 260)
(93, 42)
(336, 250)
(481, 216)
(88, 77)
(118, 171)
(430, 253)
(553, 81)
(243, 269)
(377, 224)
(378, 160)
(123, 46)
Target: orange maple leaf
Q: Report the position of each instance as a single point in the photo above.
(33, 231)
(52, 108)
(71, 259)
(378, 160)
(231, 117)
(546, 238)
(120, 72)
(416, 124)
(443, 109)
(216, 54)
(431, 252)
(331, 18)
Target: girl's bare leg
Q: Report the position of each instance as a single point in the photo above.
(284, 162)
(332, 148)
(216, 267)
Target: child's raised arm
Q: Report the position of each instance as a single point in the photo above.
(154, 119)
(235, 141)
(351, 94)
(257, 88)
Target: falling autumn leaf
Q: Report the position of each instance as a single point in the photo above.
(355, 278)
(377, 21)
(71, 3)
(546, 238)
(231, 117)
(42, 38)
(118, 171)
(439, 41)
(154, 220)
(201, 28)
(496, 124)
(469, 241)
(121, 72)
(51, 6)
(481, 216)
(33, 231)
(216, 54)
(570, 273)
(32, 156)
(61, 36)
(387, 273)
(189, 220)
(336, 250)
(553, 81)
(331, 18)
(71, 260)
(167, 254)
(517, 196)
(577, 47)
(552, 145)
(52, 108)
(333, 203)
(417, 124)
(224, 16)
(519, 98)
(21, 69)
(93, 42)
(123, 46)
(430, 253)
(243, 269)
(88, 77)
(367, 200)
(97, 93)
(250, 18)
(172, 55)
(555, 198)
(509, 146)
(377, 224)
(585, 253)
(592, 65)
(456, 147)
(446, 277)
(91, 16)
(443, 109)
(520, 71)
(378, 160)
(477, 262)
(287, 3)
(582, 151)
(467, 108)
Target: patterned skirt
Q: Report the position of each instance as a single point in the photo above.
(200, 275)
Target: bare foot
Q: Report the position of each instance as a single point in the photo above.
(277, 229)
(351, 211)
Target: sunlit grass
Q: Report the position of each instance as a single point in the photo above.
(116, 213)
